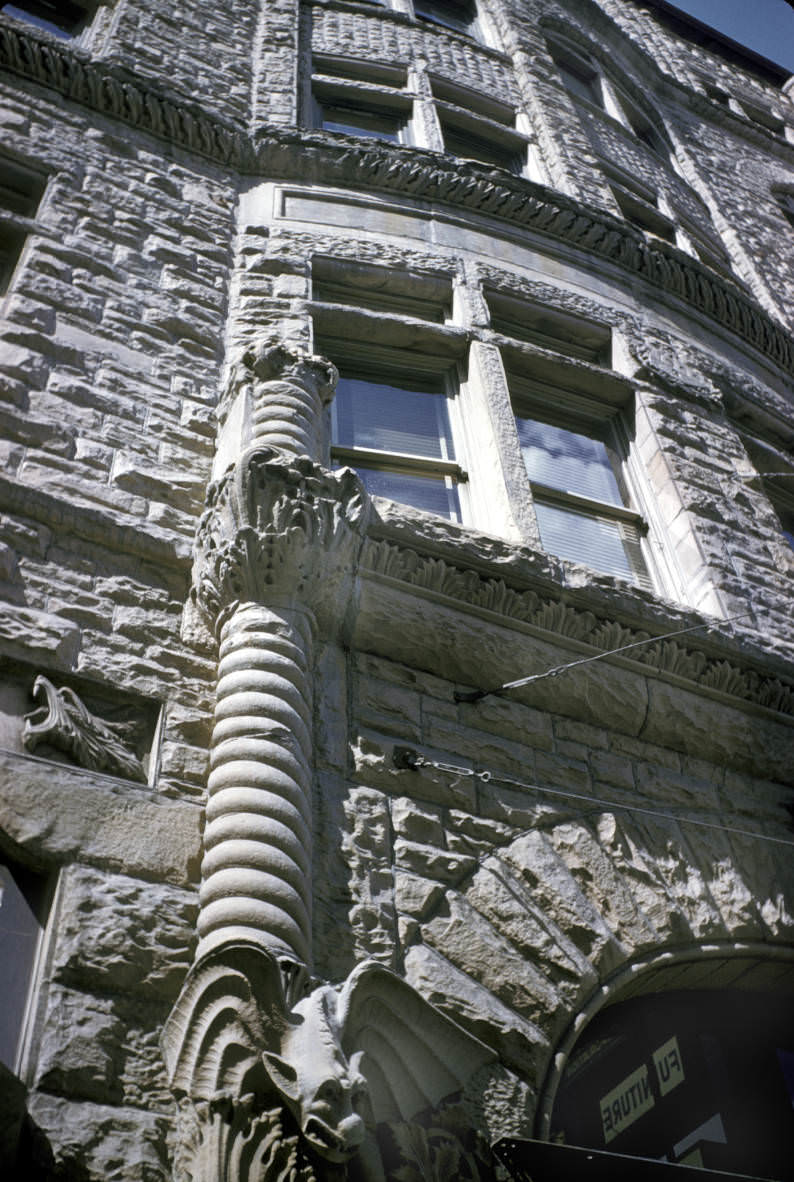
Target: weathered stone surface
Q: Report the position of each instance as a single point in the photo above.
(443, 865)
(367, 850)
(80, 1048)
(118, 933)
(416, 896)
(35, 635)
(102, 1143)
(417, 823)
(80, 814)
(519, 1044)
(105, 1049)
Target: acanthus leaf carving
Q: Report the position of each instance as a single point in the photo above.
(277, 527)
(667, 656)
(66, 723)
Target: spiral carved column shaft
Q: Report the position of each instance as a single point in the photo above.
(289, 392)
(257, 861)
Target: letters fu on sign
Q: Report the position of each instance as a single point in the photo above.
(634, 1095)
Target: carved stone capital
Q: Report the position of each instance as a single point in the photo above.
(279, 532)
(269, 361)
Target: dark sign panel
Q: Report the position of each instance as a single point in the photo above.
(693, 1078)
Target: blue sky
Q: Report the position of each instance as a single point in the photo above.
(767, 26)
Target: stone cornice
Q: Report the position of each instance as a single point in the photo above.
(411, 172)
(707, 663)
(109, 91)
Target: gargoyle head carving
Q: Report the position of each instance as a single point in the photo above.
(341, 1059)
(326, 1100)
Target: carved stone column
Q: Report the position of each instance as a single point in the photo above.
(274, 549)
(275, 396)
(269, 1073)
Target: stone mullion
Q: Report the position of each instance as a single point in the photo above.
(257, 861)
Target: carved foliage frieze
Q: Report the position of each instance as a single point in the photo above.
(671, 656)
(291, 154)
(276, 528)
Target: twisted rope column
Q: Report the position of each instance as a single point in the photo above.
(256, 870)
(274, 553)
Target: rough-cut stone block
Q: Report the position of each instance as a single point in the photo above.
(416, 896)
(36, 635)
(118, 933)
(60, 814)
(103, 1143)
(417, 823)
(518, 1042)
(80, 1049)
(374, 763)
(442, 865)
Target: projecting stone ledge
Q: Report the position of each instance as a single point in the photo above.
(64, 814)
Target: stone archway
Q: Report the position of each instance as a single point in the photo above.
(700, 1037)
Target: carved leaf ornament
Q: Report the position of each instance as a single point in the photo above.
(275, 528)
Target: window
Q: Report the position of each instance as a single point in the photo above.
(24, 902)
(646, 131)
(639, 205)
(549, 328)
(574, 452)
(765, 118)
(478, 127)
(60, 17)
(357, 120)
(381, 289)
(394, 428)
(21, 190)
(785, 201)
(460, 15)
(349, 100)
(462, 141)
(578, 73)
(583, 79)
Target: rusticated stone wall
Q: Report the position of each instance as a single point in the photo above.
(506, 859)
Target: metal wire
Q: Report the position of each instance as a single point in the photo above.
(477, 695)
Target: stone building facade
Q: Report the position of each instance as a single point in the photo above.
(358, 359)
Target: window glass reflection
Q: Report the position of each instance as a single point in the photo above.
(568, 461)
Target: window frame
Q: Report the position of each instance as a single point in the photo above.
(19, 213)
(448, 20)
(37, 14)
(372, 92)
(43, 912)
(538, 400)
(441, 375)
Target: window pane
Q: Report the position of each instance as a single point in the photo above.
(455, 14)
(431, 493)
(392, 418)
(21, 895)
(605, 546)
(459, 142)
(581, 84)
(568, 461)
(62, 19)
(350, 121)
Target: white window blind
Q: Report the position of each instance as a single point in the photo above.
(399, 440)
